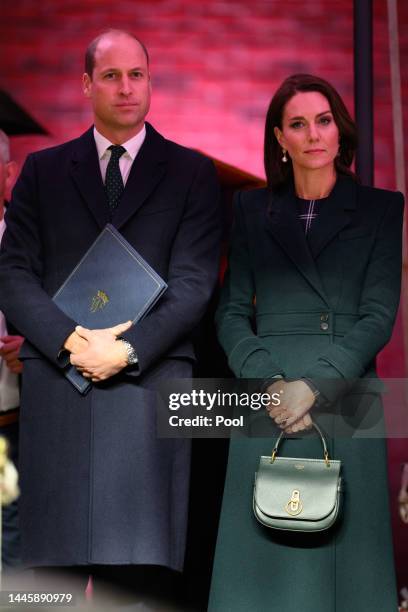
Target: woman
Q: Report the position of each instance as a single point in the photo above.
(309, 299)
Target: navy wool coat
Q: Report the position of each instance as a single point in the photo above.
(98, 486)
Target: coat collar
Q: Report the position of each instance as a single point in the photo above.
(283, 223)
(146, 172)
(334, 214)
(86, 174)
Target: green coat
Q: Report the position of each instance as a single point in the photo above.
(320, 309)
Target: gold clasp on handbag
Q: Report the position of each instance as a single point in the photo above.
(294, 505)
(274, 454)
(326, 458)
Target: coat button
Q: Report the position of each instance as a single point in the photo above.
(324, 316)
(324, 326)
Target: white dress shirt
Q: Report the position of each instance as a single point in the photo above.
(132, 147)
(9, 391)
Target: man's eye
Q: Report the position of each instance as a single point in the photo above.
(137, 74)
(109, 75)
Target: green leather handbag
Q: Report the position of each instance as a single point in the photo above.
(297, 494)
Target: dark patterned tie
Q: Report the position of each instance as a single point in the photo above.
(113, 180)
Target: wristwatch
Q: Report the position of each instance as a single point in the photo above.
(131, 353)
(267, 382)
(320, 400)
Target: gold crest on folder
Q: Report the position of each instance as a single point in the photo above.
(99, 301)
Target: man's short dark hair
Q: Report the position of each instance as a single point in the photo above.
(91, 49)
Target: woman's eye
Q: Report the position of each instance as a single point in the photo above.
(296, 125)
(325, 120)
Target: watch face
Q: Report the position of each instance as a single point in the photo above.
(132, 356)
(131, 353)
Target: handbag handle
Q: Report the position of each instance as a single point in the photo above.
(323, 439)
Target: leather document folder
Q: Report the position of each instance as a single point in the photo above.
(111, 284)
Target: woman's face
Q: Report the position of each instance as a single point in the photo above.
(309, 133)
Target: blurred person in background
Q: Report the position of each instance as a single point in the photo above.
(10, 368)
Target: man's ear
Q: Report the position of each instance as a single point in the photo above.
(86, 84)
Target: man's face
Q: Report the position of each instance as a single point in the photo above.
(119, 87)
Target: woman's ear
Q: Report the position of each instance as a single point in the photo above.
(278, 135)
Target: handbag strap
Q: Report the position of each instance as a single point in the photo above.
(323, 439)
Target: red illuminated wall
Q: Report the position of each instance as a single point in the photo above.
(215, 65)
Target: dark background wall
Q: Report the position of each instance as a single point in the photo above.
(214, 68)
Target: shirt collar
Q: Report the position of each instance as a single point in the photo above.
(132, 145)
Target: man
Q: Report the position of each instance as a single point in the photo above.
(98, 487)
(10, 368)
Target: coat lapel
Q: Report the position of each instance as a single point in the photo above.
(147, 171)
(284, 225)
(86, 174)
(334, 215)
